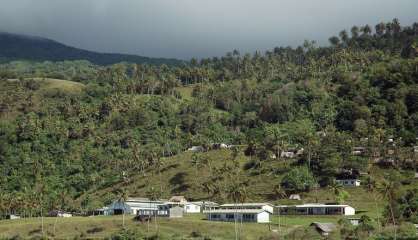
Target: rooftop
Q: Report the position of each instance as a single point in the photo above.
(256, 211)
(246, 204)
(324, 227)
(313, 205)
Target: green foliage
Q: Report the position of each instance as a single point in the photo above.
(298, 179)
(111, 125)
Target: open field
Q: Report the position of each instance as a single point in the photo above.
(104, 226)
(49, 83)
(182, 228)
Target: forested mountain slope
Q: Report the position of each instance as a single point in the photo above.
(126, 131)
(21, 47)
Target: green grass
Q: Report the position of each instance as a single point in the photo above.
(104, 226)
(186, 91)
(65, 85)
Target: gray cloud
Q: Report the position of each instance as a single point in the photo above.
(194, 28)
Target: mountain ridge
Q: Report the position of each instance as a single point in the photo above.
(34, 48)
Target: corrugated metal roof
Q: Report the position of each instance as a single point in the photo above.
(313, 205)
(256, 211)
(324, 227)
(246, 204)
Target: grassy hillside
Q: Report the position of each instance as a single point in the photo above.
(64, 145)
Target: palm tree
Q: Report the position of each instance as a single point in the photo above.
(335, 41)
(380, 29)
(123, 196)
(388, 189)
(396, 26)
(371, 186)
(366, 30)
(153, 194)
(339, 193)
(237, 193)
(354, 32)
(344, 37)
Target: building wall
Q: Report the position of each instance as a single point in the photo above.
(263, 217)
(191, 208)
(349, 211)
(318, 211)
(349, 182)
(176, 212)
(268, 208)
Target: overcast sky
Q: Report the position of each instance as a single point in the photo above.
(194, 28)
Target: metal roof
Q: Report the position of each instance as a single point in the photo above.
(313, 205)
(246, 204)
(324, 227)
(244, 211)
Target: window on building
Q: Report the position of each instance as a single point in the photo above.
(229, 216)
(248, 216)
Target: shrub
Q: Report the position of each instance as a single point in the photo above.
(298, 180)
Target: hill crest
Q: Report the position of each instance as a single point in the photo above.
(25, 47)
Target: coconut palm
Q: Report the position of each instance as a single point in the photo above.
(370, 185)
(388, 190)
(123, 196)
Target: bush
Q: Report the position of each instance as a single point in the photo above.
(299, 179)
(128, 235)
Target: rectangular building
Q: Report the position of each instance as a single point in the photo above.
(316, 209)
(348, 182)
(255, 206)
(244, 215)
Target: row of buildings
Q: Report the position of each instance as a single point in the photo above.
(246, 212)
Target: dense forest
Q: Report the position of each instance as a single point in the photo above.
(110, 123)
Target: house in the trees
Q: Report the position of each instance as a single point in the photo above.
(349, 182)
(220, 146)
(359, 151)
(316, 209)
(295, 197)
(196, 149)
(246, 212)
(179, 200)
(57, 213)
(104, 211)
(324, 228)
(12, 216)
(354, 221)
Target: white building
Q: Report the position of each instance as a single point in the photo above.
(244, 215)
(57, 213)
(246, 212)
(257, 206)
(134, 206)
(348, 182)
(198, 207)
(12, 217)
(295, 197)
(316, 209)
(196, 149)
